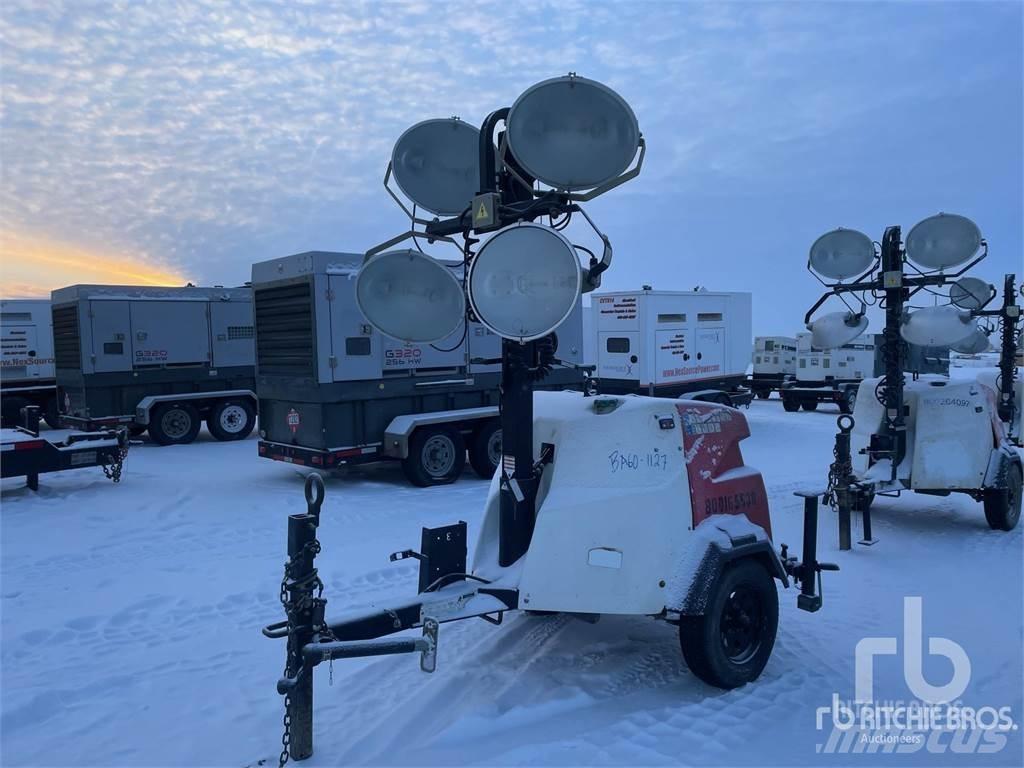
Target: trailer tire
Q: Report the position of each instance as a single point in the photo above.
(730, 644)
(790, 404)
(231, 420)
(10, 410)
(764, 394)
(1002, 505)
(810, 405)
(437, 456)
(485, 451)
(848, 400)
(174, 424)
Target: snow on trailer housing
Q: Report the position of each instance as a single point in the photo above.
(160, 359)
(26, 359)
(666, 343)
(834, 375)
(333, 390)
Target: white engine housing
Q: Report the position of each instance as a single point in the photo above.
(953, 430)
(615, 529)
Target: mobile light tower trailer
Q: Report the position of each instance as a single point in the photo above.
(333, 390)
(621, 505)
(26, 360)
(931, 435)
(161, 359)
(834, 375)
(667, 343)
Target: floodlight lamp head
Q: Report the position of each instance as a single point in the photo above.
(836, 329)
(410, 297)
(572, 133)
(841, 254)
(524, 281)
(436, 164)
(970, 293)
(943, 241)
(974, 344)
(940, 326)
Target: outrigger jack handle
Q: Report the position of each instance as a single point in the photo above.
(808, 571)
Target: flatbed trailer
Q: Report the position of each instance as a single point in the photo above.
(26, 453)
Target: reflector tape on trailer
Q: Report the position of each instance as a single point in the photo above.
(29, 445)
(7, 447)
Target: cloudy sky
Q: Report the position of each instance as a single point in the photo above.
(162, 142)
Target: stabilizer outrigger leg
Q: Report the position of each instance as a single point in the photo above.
(807, 571)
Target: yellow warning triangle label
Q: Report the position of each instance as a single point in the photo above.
(482, 212)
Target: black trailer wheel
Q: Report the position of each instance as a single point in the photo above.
(730, 644)
(764, 394)
(485, 451)
(437, 456)
(231, 420)
(810, 405)
(174, 424)
(847, 401)
(51, 413)
(790, 404)
(1002, 505)
(10, 410)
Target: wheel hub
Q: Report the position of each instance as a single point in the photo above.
(438, 455)
(233, 418)
(175, 423)
(742, 625)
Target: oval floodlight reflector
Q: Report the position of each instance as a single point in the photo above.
(970, 292)
(943, 241)
(410, 297)
(941, 326)
(436, 163)
(524, 281)
(842, 253)
(836, 329)
(572, 133)
(974, 344)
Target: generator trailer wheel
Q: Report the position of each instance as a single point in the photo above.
(231, 420)
(790, 404)
(810, 405)
(485, 450)
(1002, 505)
(437, 456)
(174, 424)
(730, 644)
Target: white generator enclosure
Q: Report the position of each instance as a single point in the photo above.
(990, 378)
(774, 356)
(850, 361)
(26, 340)
(668, 342)
(633, 498)
(954, 435)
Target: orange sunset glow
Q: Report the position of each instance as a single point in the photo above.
(32, 266)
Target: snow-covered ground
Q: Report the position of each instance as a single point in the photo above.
(131, 620)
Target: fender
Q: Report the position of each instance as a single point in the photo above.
(717, 558)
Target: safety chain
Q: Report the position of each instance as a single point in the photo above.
(838, 471)
(113, 470)
(304, 601)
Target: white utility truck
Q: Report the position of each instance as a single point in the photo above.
(26, 363)
(666, 343)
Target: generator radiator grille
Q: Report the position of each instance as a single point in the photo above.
(67, 350)
(284, 330)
